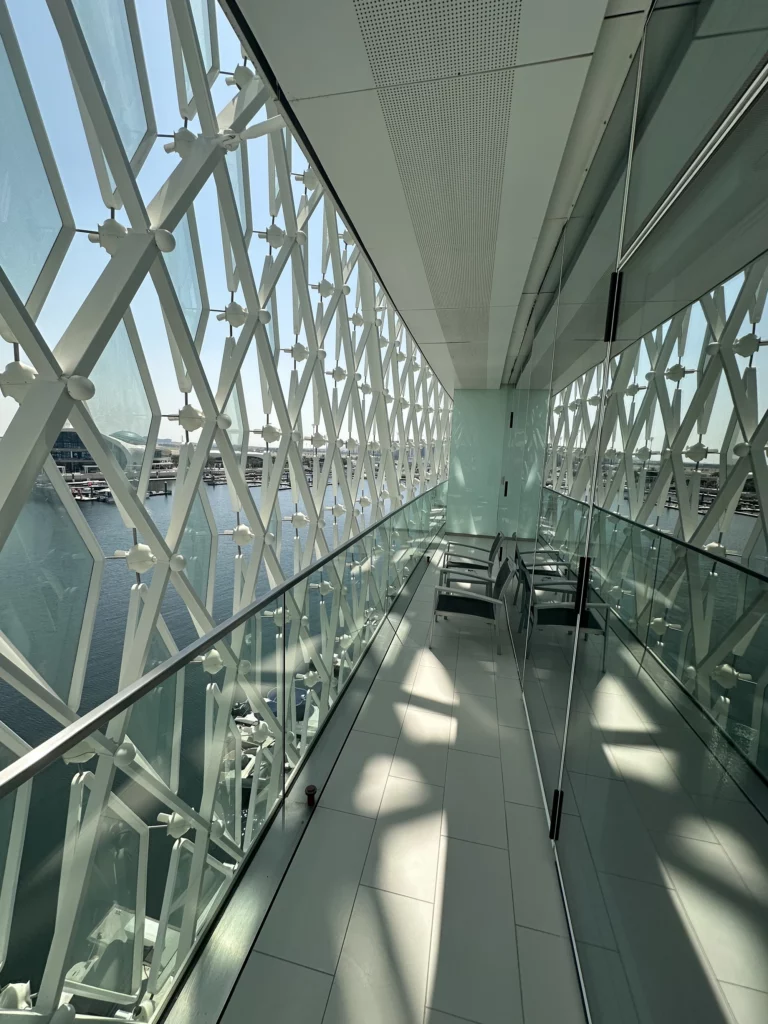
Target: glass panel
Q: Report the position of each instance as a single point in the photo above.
(105, 27)
(183, 270)
(473, 490)
(29, 219)
(46, 570)
(103, 952)
(195, 546)
(215, 748)
(564, 594)
(237, 176)
(154, 723)
(120, 407)
(212, 743)
(697, 58)
(201, 15)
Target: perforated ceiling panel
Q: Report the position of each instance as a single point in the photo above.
(443, 70)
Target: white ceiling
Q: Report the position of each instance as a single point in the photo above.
(444, 127)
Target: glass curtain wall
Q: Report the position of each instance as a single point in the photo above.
(646, 719)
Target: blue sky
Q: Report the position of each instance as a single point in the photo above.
(85, 261)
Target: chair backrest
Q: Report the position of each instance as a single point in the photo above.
(503, 577)
(518, 556)
(528, 595)
(494, 548)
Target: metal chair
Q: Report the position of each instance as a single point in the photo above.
(453, 556)
(546, 569)
(560, 614)
(465, 604)
(448, 576)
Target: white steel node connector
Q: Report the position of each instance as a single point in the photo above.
(269, 432)
(242, 535)
(80, 388)
(234, 314)
(16, 379)
(109, 235)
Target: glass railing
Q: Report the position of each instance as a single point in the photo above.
(121, 835)
(702, 617)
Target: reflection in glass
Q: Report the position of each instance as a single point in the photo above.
(234, 160)
(120, 407)
(697, 58)
(102, 950)
(46, 571)
(183, 270)
(105, 27)
(154, 723)
(195, 546)
(29, 219)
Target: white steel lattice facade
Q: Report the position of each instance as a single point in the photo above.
(683, 443)
(212, 291)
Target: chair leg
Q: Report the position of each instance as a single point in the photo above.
(498, 636)
(605, 640)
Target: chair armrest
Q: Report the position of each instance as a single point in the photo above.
(469, 547)
(550, 584)
(471, 596)
(461, 562)
(456, 574)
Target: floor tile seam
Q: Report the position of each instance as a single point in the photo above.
(512, 896)
(407, 778)
(294, 963)
(474, 842)
(390, 681)
(727, 856)
(693, 937)
(352, 814)
(354, 901)
(473, 693)
(381, 735)
(393, 892)
(749, 988)
(694, 839)
(639, 881)
(462, 1020)
(434, 907)
(596, 872)
(461, 750)
(516, 728)
(633, 802)
(543, 931)
(426, 711)
(742, 799)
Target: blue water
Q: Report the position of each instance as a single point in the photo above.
(107, 525)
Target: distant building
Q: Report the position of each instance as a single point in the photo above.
(71, 454)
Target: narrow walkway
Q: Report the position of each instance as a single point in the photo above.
(424, 890)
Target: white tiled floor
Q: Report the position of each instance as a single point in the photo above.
(665, 861)
(424, 889)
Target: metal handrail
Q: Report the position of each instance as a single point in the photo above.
(665, 536)
(45, 753)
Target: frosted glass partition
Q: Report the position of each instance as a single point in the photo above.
(497, 460)
(475, 463)
(522, 461)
